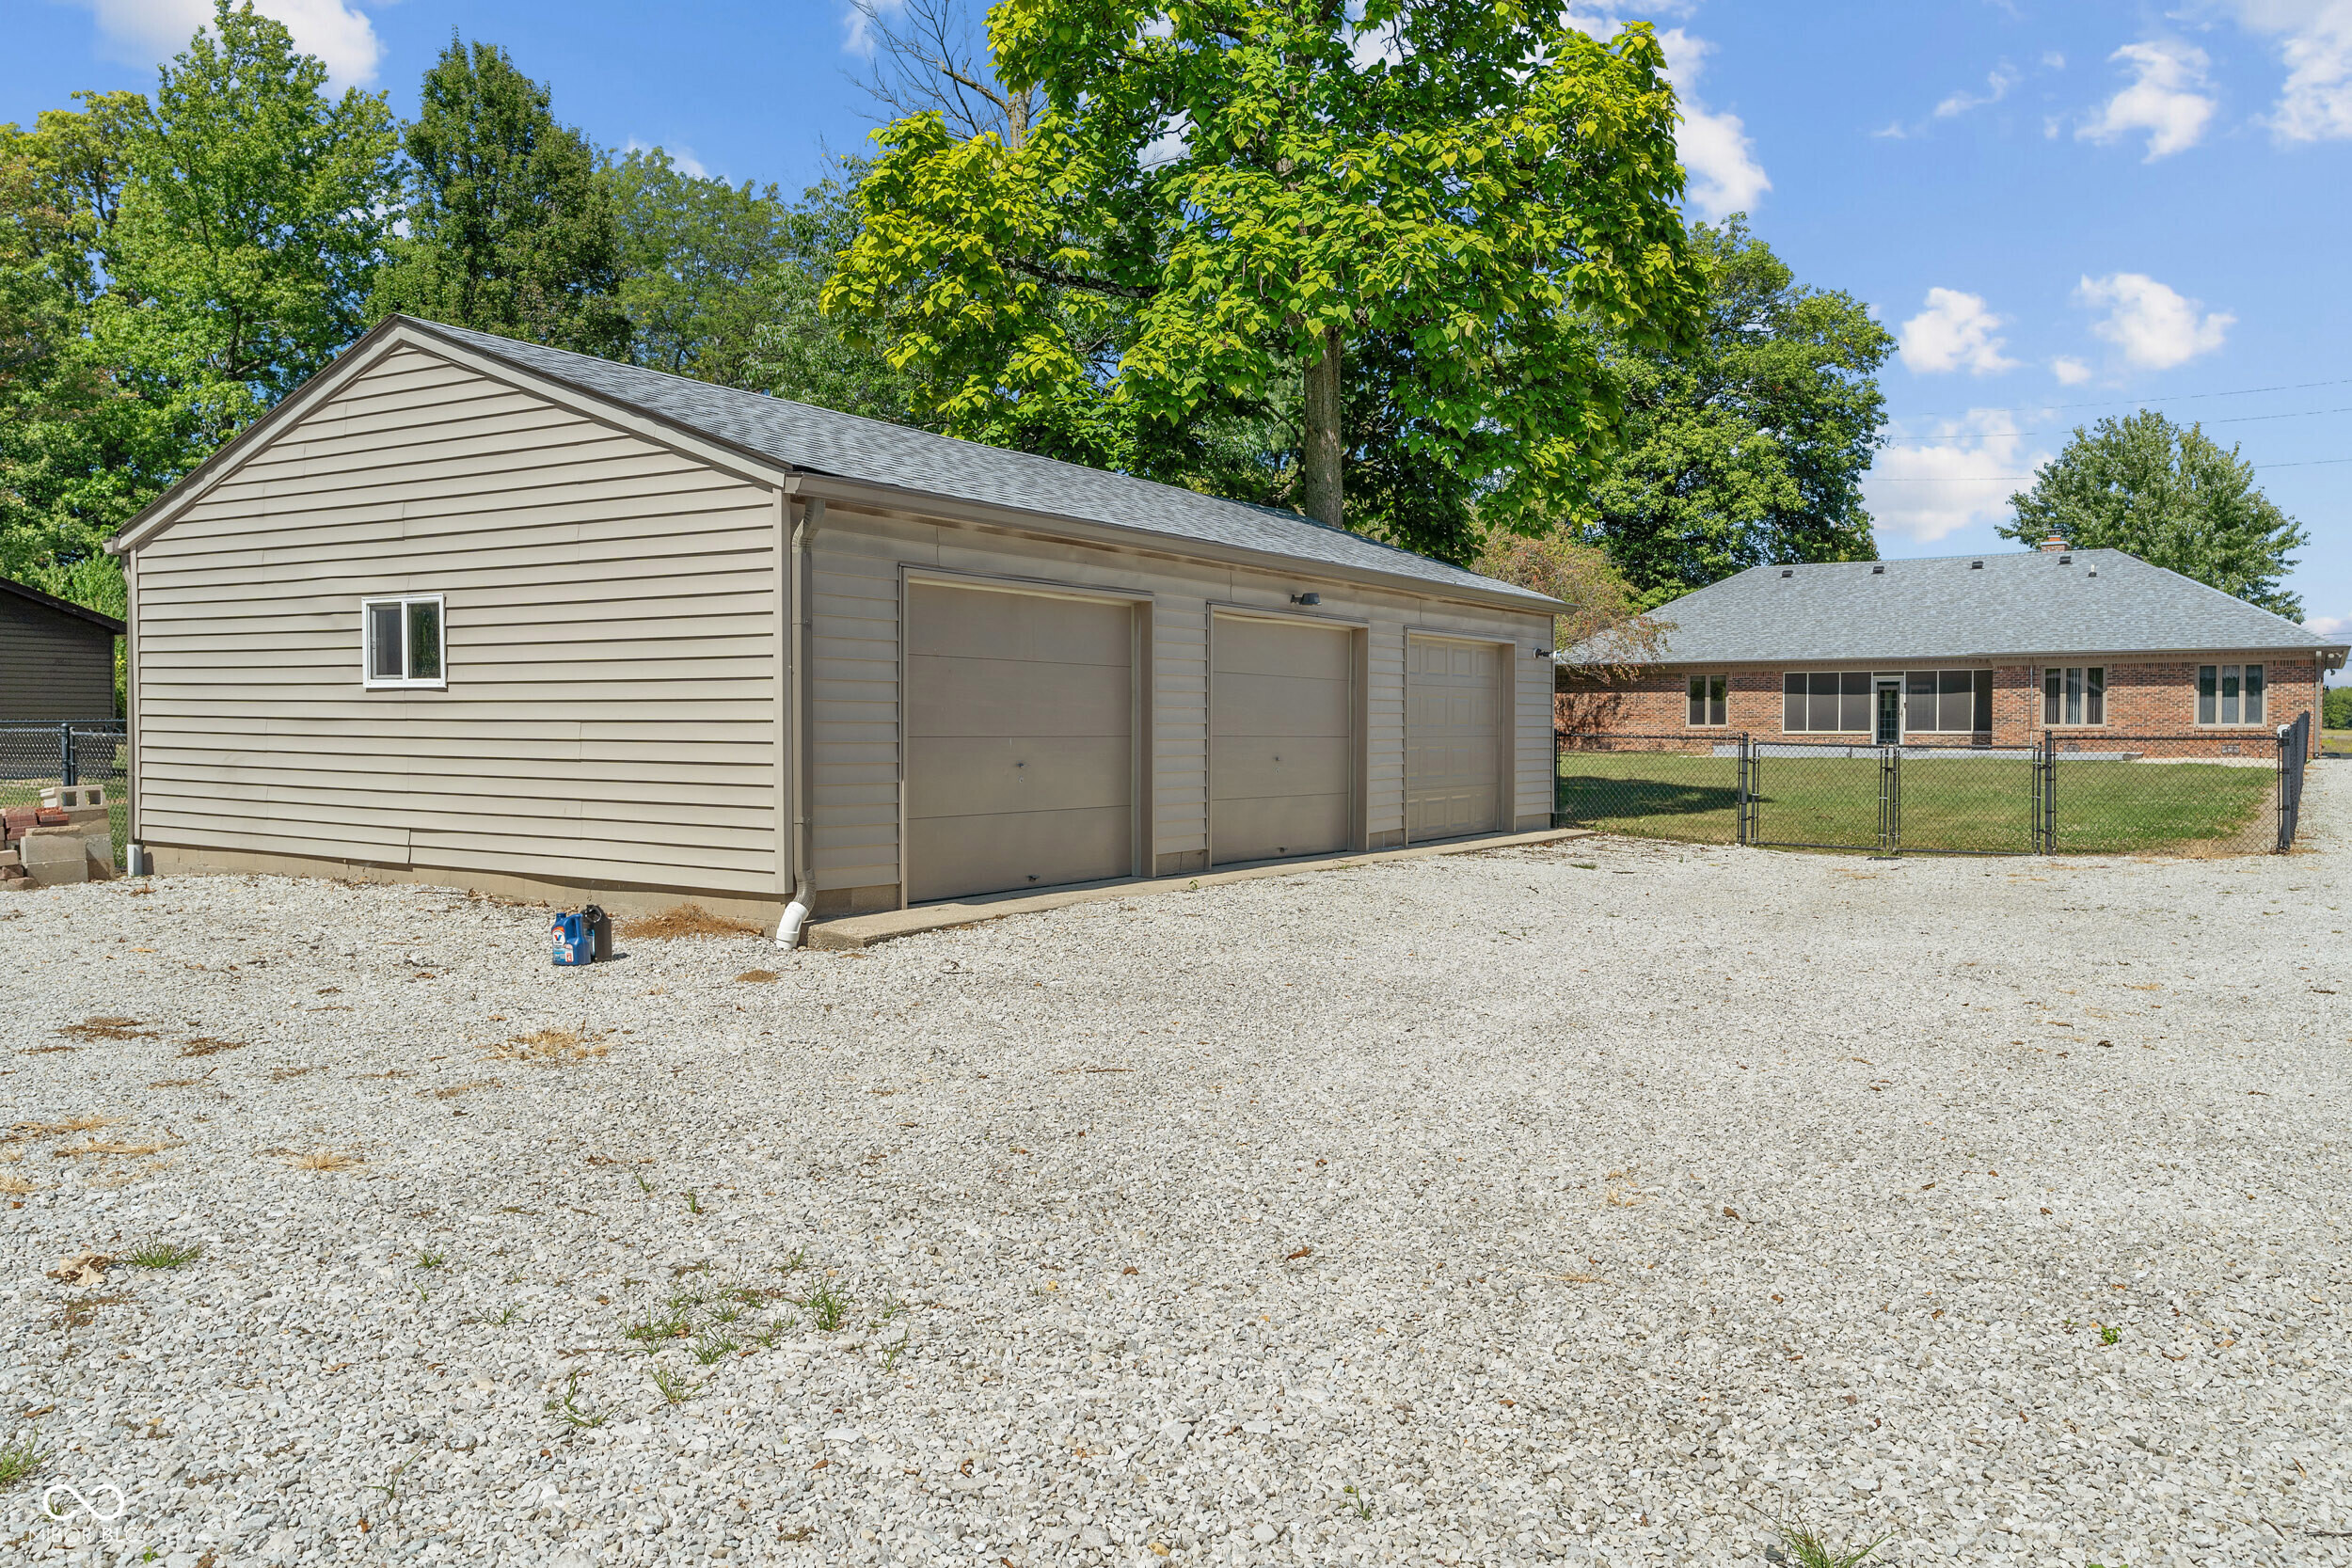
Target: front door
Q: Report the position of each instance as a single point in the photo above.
(1890, 729)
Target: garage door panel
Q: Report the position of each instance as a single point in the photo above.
(1275, 648)
(989, 696)
(1453, 709)
(1270, 705)
(1026, 628)
(967, 855)
(1272, 827)
(1257, 768)
(1020, 759)
(987, 776)
(1283, 739)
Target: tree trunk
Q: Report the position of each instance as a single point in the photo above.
(1322, 478)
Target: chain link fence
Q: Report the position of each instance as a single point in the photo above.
(2105, 793)
(34, 757)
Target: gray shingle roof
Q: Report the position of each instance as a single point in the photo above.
(821, 440)
(2017, 603)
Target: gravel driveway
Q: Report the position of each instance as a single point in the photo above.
(1595, 1203)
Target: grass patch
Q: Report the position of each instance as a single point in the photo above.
(684, 920)
(21, 1458)
(568, 1409)
(326, 1159)
(673, 1387)
(827, 1308)
(1957, 802)
(1805, 1547)
(164, 1255)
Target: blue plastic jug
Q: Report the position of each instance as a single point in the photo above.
(575, 941)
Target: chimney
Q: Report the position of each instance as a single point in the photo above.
(2055, 544)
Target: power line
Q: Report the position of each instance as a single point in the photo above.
(2184, 397)
(2021, 479)
(2239, 419)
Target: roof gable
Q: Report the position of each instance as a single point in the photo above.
(62, 606)
(2014, 603)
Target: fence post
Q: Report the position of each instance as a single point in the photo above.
(65, 754)
(1741, 790)
(2046, 825)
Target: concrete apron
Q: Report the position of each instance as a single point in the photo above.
(849, 932)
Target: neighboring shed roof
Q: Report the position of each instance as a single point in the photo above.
(823, 441)
(2019, 603)
(63, 607)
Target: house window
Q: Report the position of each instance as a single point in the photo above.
(1951, 702)
(1706, 700)
(401, 641)
(2229, 693)
(2075, 694)
(1833, 703)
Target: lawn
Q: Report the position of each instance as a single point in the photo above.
(1964, 803)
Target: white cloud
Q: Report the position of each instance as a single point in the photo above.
(147, 31)
(681, 159)
(2166, 99)
(1996, 86)
(857, 24)
(2155, 327)
(1717, 156)
(1962, 478)
(1954, 332)
(2330, 625)
(2070, 372)
(2315, 101)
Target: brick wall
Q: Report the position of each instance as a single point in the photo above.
(2143, 698)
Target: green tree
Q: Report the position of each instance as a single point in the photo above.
(2168, 495)
(1215, 198)
(2335, 708)
(510, 230)
(696, 254)
(183, 262)
(1749, 449)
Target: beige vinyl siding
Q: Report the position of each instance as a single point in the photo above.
(52, 666)
(612, 629)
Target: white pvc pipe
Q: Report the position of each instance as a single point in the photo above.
(795, 917)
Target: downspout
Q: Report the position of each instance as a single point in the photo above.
(789, 929)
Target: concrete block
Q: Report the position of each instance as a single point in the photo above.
(10, 858)
(53, 857)
(74, 796)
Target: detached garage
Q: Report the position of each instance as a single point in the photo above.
(474, 611)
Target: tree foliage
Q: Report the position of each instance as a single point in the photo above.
(2171, 495)
(510, 230)
(171, 268)
(1219, 198)
(1750, 446)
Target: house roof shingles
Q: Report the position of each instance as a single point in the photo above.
(2028, 602)
(823, 441)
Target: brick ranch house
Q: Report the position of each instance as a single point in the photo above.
(1984, 650)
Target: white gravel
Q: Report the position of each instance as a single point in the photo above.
(1588, 1204)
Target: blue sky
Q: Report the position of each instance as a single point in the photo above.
(2063, 209)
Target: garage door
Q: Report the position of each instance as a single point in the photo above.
(1453, 705)
(1281, 733)
(1020, 740)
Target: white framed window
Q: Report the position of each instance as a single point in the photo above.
(401, 642)
(2229, 693)
(1707, 704)
(2075, 694)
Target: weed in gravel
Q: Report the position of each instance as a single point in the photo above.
(111, 1147)
(643, 1185)
(554, 1047)
(797, 1262)
(326, 1159)
(775, 1329)
(16, 1185)
(650, 1330)
(287, 1075)
(21, 1458)
(726, 1312)
(568, 1409)
(711, 1346)
(684, 920)
(2109, 1334)
(107, 1028)
(1801, 1546)
(827, 1308)
(673, 1387)
(164, 1255)
(431, 1260)
(1356, 1501)
(505, 1318)
(891, 1352)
